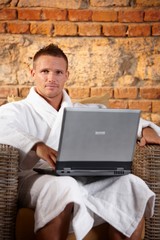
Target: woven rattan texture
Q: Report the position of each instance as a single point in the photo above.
(8, 191)
(146, 165)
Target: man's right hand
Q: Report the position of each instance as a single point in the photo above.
(46, 153)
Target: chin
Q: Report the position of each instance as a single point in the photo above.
(53, 95)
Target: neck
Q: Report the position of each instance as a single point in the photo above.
(55, 102)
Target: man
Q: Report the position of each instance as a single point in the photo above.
(33, 126)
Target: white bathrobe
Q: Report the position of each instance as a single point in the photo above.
(120, 201)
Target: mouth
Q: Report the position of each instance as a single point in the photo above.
(51, 86)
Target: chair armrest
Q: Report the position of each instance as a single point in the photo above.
(146, 165)
(9, 157)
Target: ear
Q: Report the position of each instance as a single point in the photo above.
(32, 72)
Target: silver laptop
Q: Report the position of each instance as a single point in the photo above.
(96, 142)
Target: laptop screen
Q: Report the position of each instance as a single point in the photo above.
(97, 140)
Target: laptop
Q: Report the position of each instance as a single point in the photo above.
(96, 142)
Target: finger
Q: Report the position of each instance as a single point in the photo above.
(51, 163)
(142, 142)
(52, 160)
(55, 153)
(53, 157)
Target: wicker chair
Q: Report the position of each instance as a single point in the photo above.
(146, 165)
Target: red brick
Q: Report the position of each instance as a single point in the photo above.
(65, 29)
(2, 27)
(82, 92)
(131, 92)
(23, 91)
(130, 16)
(139, 30)
(17, 27)
(118, 104)
(104, 16)
(3, 101)
(156, 29)
(156, 106)
(54, 14)
(142, 105)
(147, 3)
(6, 91)
(29, 14)
(41, 28)
(114, 30)
(89, 29)
(100, 91)
(150, 93)
(79, 15)
(8, 14)
(152, 15)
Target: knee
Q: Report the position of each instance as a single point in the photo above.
(69, 207)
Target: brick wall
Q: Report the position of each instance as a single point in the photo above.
(113, 47)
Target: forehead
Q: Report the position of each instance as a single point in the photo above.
(47, 61)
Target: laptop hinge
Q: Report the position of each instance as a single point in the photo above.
(66, 170)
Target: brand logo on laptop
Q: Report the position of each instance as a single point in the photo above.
(100, 132)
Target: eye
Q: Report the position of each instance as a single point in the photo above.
(45, 71)
(59, 72)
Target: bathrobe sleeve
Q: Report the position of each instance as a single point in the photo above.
(14, 128)
(144, 123)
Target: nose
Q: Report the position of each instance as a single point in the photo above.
(51, 77)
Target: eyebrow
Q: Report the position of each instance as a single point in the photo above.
(44, 69)
(55, 70)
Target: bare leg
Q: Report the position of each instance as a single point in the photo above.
(138, 232)
(113, 234)
(57, 229)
